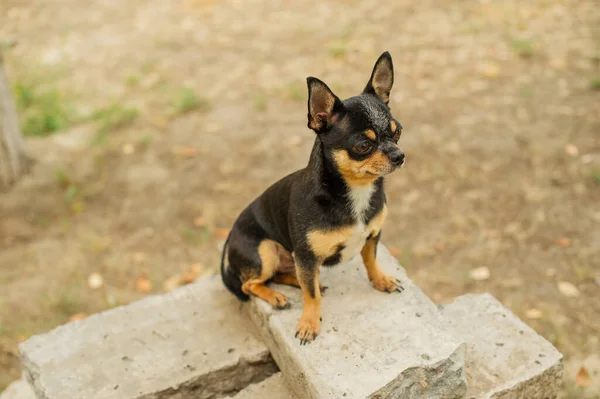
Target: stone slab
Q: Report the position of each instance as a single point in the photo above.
(19, 389)
(192, 342)
(506, 359)
(273, 387)
(372, 344)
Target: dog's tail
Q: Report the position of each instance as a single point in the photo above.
(230, 278)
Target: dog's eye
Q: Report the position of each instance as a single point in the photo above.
(363, 147)
(397, 135)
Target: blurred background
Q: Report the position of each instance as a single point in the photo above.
(153, 123)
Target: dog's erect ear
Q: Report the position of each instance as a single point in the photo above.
(382, 78)
(322, 105)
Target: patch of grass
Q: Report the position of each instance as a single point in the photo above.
(260, 102)
(526, 92)
(113, 117)
(62, 177)
(71, 195)
(195, 236)
(523, 48)
(132, 80)
(595, 83)
(187, 101)
(596, 176)
(43, 112)
(65, 303)
(338, 48)
(146, 140)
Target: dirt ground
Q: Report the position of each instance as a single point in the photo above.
(178, 113)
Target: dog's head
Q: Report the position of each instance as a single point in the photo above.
(359, 134)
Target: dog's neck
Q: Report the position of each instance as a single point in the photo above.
(323, 171)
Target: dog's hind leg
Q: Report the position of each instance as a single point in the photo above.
(269, 253)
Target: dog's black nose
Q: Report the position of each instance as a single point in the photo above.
(397, 157)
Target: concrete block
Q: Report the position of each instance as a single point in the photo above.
(19, 389)
(506, 359)
(273, 387)
(192, 342)
(372, 344)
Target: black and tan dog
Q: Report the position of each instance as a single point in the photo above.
(327, 212)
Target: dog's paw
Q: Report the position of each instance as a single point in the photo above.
(387, 283)
(307, 330)
(279, 301)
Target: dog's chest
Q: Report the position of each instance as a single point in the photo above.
(354, 242)
(360, 202)
(332, 246)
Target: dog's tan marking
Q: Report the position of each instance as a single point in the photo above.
(273, 298)
(374, 225)
(380, 280)
(325, 243)
(393, 126)
(361, 173)
(287, 279)
(270, 253)
(309, 325)
(371, 134)
(292, 280)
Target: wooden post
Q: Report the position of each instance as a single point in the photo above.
(13, 159)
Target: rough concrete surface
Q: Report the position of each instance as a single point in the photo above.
(506, 359)
(192, 342)
(372, 344)
(273, 387)
(19, 389)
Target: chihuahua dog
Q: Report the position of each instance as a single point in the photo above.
(327, 212)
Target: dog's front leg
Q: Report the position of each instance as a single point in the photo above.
(309, 325)
(381, 281)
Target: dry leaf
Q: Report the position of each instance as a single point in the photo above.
(395, 252)
(172, 282)
(533, 314)
(583, 378)
(190, 275)
(563, 242)
(480, 274)
(222, 233)
(143, 284)
(571, 150)
(190, 152)
(185, 151)
(77, 316)
(200, 221)
(95, 281)
(490, 70)
(568, 289)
